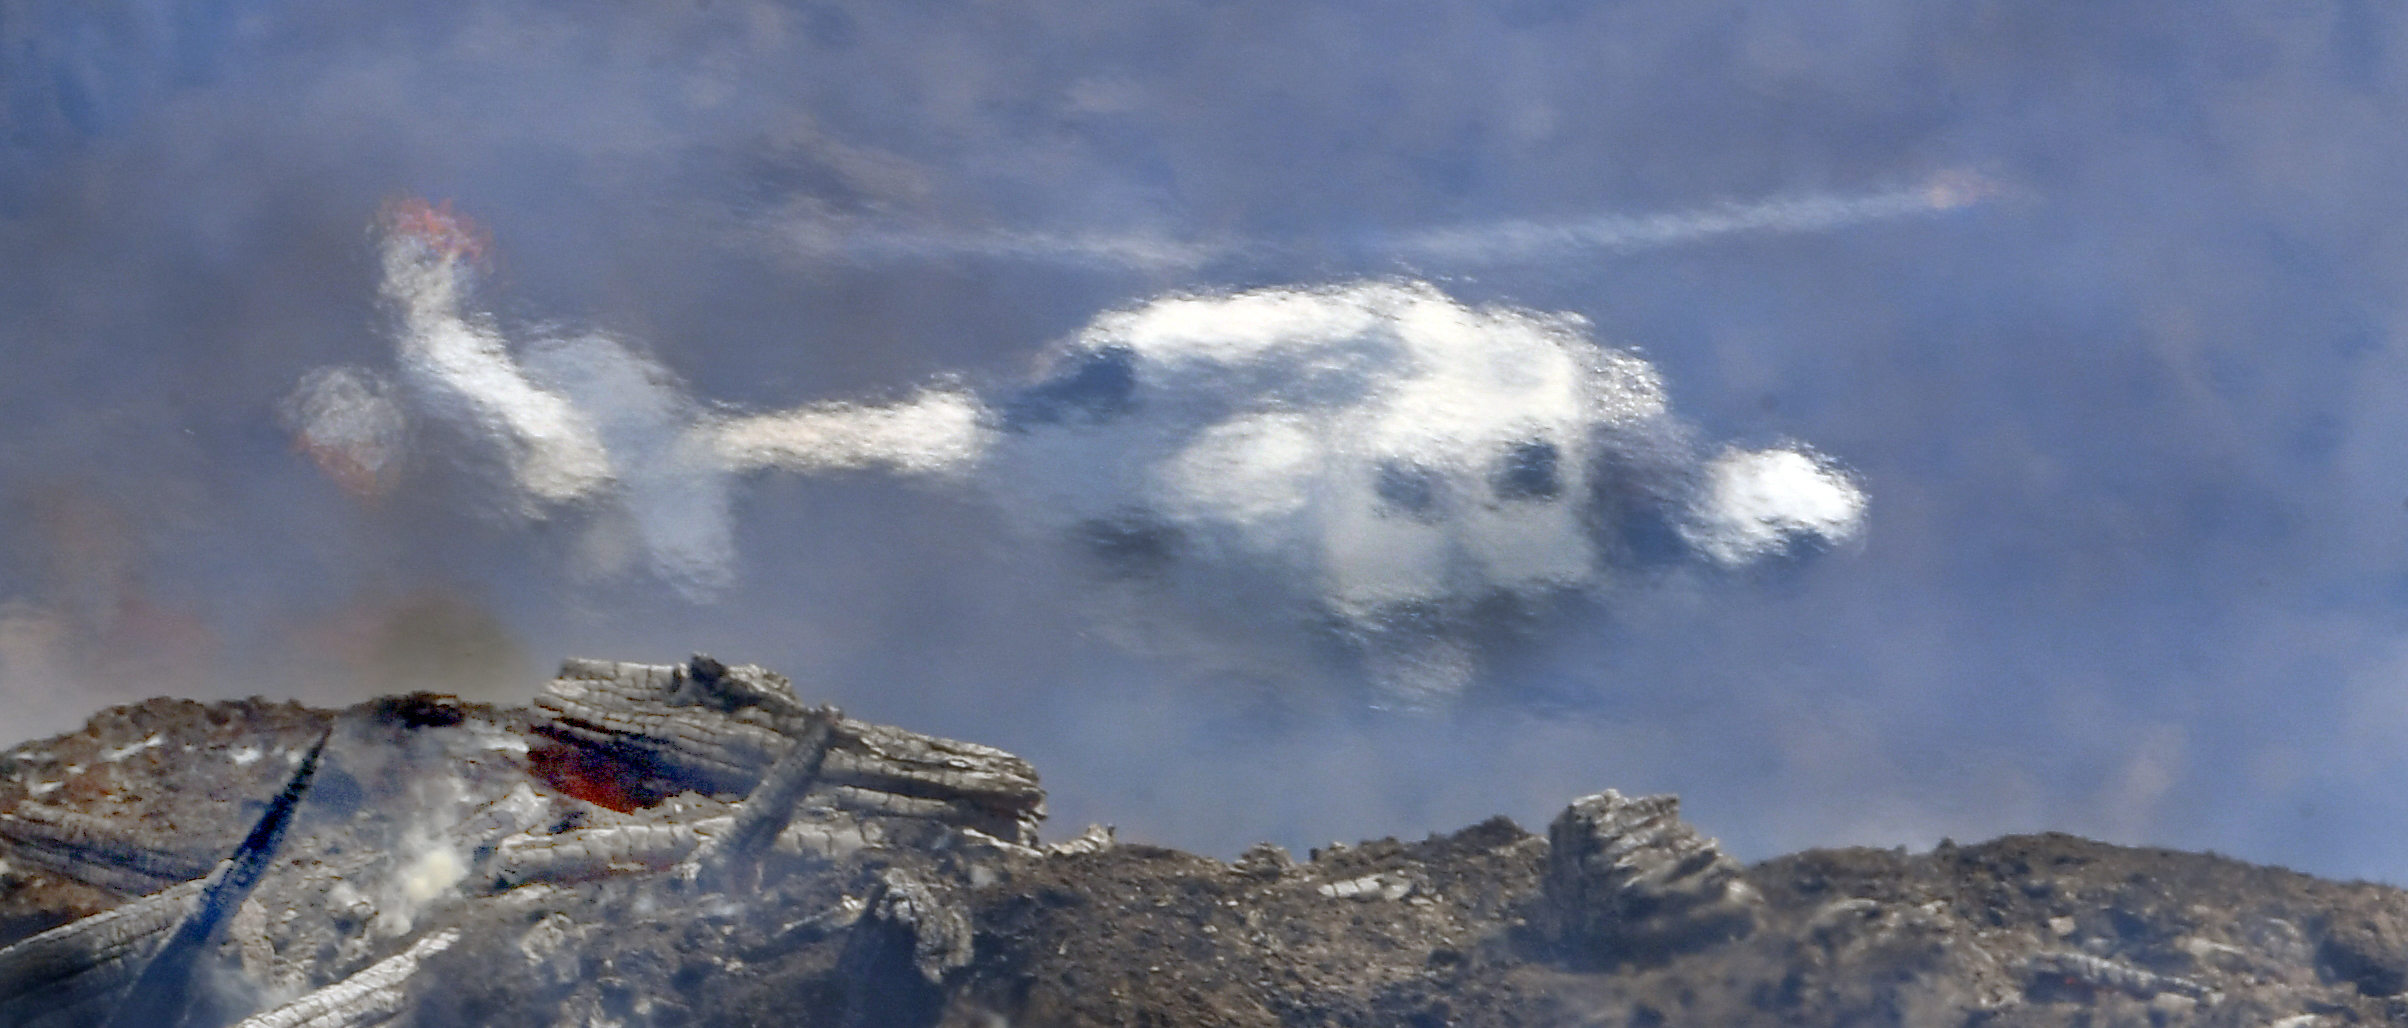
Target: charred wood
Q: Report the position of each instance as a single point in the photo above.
(95, 850)
(160, 995)
(1628, 880)
(732, 859)
(82, 964)
(720, 729)
(369, 997)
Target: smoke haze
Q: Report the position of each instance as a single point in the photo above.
(1963, 421)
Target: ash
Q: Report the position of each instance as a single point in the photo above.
(693, 844)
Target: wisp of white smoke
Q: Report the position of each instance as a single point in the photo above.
(1389, 457)
(1506, 242)
(822, 241)
(1480, 244)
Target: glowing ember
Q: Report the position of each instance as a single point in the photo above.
(595, 778)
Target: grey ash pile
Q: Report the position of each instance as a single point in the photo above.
(694, 845)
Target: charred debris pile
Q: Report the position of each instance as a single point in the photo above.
(695, 845)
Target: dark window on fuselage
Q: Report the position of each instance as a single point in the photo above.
(1408, 488)
(1131, 545)
(1098, 386)
(1529, 472)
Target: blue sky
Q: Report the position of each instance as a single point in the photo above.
(2135, 556)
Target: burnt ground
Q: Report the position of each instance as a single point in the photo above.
(952, 929)
(180, 779)
(1142, 936)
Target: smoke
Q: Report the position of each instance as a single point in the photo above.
(1523, 241)
(1380, 455)
(863, 242)
(426, 870)
(851, 243)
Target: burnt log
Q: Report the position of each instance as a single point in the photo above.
(719, 729)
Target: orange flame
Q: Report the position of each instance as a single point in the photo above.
(346, 464)
(435, 226)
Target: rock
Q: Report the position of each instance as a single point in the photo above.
(1264, 860)
(1096, 839)
(2369, 951)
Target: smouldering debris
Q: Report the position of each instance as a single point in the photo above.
(714, 776)
(669, 846)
